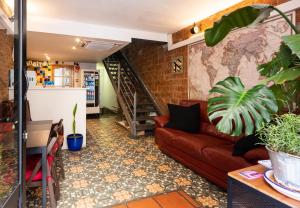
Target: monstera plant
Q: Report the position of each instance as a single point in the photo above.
(240, 110)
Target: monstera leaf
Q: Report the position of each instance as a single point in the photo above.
(237, 19)
(240, 110)
(293, 41)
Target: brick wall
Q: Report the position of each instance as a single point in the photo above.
(208, 22)
(6, 49)
(153, 62)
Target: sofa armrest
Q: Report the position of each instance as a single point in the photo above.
(161, 121)
(256, 154)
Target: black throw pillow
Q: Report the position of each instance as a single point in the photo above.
(184, 118)
(246, 144)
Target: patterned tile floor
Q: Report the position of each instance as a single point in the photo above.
(114, 169)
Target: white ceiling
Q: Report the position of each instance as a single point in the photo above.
(59, 48)
(53, 25)
(166, 16)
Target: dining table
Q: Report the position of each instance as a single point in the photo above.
(37, 142)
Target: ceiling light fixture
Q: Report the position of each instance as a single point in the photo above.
(195, 29)
(77, 40)
(74, 48)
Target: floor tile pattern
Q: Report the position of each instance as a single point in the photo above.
(114, 169)
(8, 165)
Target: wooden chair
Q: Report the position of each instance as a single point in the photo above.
(58, 148)
(27, 111)
(34, 171)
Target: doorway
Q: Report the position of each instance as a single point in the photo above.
(12, 113)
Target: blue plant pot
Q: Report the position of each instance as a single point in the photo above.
(74, 142)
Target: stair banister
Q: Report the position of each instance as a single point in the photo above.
(120, 53)
(134, 113)
(119, 76)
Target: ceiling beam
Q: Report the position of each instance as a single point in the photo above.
(65, 27)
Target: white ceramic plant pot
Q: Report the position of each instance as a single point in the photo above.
(286, 168)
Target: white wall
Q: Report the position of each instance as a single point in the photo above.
(108, 97)
(56, 103)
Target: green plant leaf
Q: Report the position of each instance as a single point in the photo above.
(285, 75)
(74, 127)
(75, 110)
(239, 110)
(293, 41)
(237, 19)
(74, 121)
(283, 59)
(282, 134)
(287, 95)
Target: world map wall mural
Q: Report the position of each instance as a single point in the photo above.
(237, 55)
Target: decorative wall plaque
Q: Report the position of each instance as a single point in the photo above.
(177, 64)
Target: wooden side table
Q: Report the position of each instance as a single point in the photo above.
(256, 193)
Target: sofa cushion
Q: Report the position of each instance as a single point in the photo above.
(210, 129)
(203, 108)
(245, 144)
(221, 158)
(191, 144)
(185, 118)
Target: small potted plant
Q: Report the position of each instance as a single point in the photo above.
(282, 140)
(74, 140)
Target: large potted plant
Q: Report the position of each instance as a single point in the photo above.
(282, 140)
(245, 111)
(74, 140)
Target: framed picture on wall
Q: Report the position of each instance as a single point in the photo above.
(177, 64)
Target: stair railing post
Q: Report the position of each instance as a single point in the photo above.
(134, 114)
(119, 78)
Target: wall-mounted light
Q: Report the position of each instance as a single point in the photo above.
(195, 29)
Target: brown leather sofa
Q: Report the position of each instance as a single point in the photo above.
(209, 152)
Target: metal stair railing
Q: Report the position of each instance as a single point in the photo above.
(126, 92)
(124, 61)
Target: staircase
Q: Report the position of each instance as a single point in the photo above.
(135, 100)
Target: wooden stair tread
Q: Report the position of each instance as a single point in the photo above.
(144, 118)
(144, 110)
(141, 127)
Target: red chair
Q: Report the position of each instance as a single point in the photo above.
(34, 171)
(57, 148)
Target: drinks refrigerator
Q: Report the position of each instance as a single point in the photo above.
(91, 83)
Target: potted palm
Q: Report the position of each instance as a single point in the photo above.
(245, 111)
(74, 140)
(282, 140)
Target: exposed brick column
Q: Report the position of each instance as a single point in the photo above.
(6, 50)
